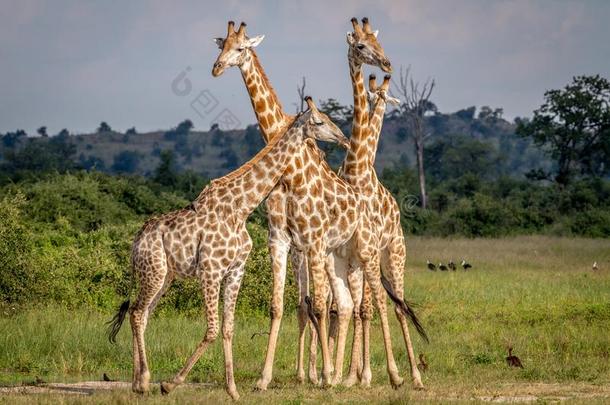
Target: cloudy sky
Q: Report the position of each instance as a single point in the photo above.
(72, 64)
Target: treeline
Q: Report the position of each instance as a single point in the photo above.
(66, 229)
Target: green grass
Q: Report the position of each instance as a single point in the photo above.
(537, 294)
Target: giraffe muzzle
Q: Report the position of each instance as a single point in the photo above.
(386, 66)
(218, 69)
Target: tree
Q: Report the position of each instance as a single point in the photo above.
(126, 162)
(416, 103)
(131, 131)
(104, 127)
(339, 113)
(42, 131)
(300, 104)
(573, 127)
(165, 174)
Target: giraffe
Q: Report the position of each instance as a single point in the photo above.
(208, 240)
(382, 216)
(238, 50)
(333, 219)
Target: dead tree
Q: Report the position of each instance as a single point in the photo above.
(300, 105)
(415, 104)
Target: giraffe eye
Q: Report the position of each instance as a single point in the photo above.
(241, 49)
(360, 46)
(319, 123)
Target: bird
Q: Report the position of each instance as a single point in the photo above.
(595, 268)
(106, 378)
(451, 265)
(513, 361)
(465, 265)
(442, 267)
(422, 365)
(39, 381)
(431, 266)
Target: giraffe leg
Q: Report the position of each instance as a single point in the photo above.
(316, 262)
(299, 268)
(231, 291)
(355, 280)
(373, 278)
(313, 354)
(338, 278)
(278, 249)
(366, 312)
(211, 289)
(150, 287)
(393, 264)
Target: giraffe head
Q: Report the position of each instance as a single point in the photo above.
(234, 48)
(364, 46)
(318, 126)
(381, 92)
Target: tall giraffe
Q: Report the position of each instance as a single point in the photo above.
(332, 218)
(382, 214)
(238, 50)
(208, 240)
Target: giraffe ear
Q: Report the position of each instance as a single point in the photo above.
(219, 41)
(392, 100)
(253, 42)
(375, 33)
(350, 38)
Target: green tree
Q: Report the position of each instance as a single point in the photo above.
(104, 127)
(573, 125)
(126, 162)
(165, 174)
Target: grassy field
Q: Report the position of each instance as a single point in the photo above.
(537, 294)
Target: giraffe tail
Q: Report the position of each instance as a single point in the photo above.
(312, 315)
(405, 307)
(114, 325)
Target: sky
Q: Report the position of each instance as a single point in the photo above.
(72, 64)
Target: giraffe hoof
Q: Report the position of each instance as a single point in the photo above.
(301, 378)
(167, 387)
(261, 385)
(233, 394)
(397, 383)
(418, 385)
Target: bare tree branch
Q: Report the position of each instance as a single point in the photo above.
(416, 103)
(300, 105)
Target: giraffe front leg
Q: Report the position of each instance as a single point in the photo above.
(355, 280)
(278, 250)
(211, 289)
(316, 262)
(299, 267)
(337, 274)
(228, 321)
(366, 312)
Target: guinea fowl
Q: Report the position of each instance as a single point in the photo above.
(442, 267)
(466, 265)
(106, 378)
(513, 361)
(451, 265)
(431, 266)
(422, 365)
(595, 268)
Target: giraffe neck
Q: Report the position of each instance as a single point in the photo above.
(375, 124)
(245, 188)
(356, 160)
(267, 107)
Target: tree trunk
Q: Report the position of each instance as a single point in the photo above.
(419, 146)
